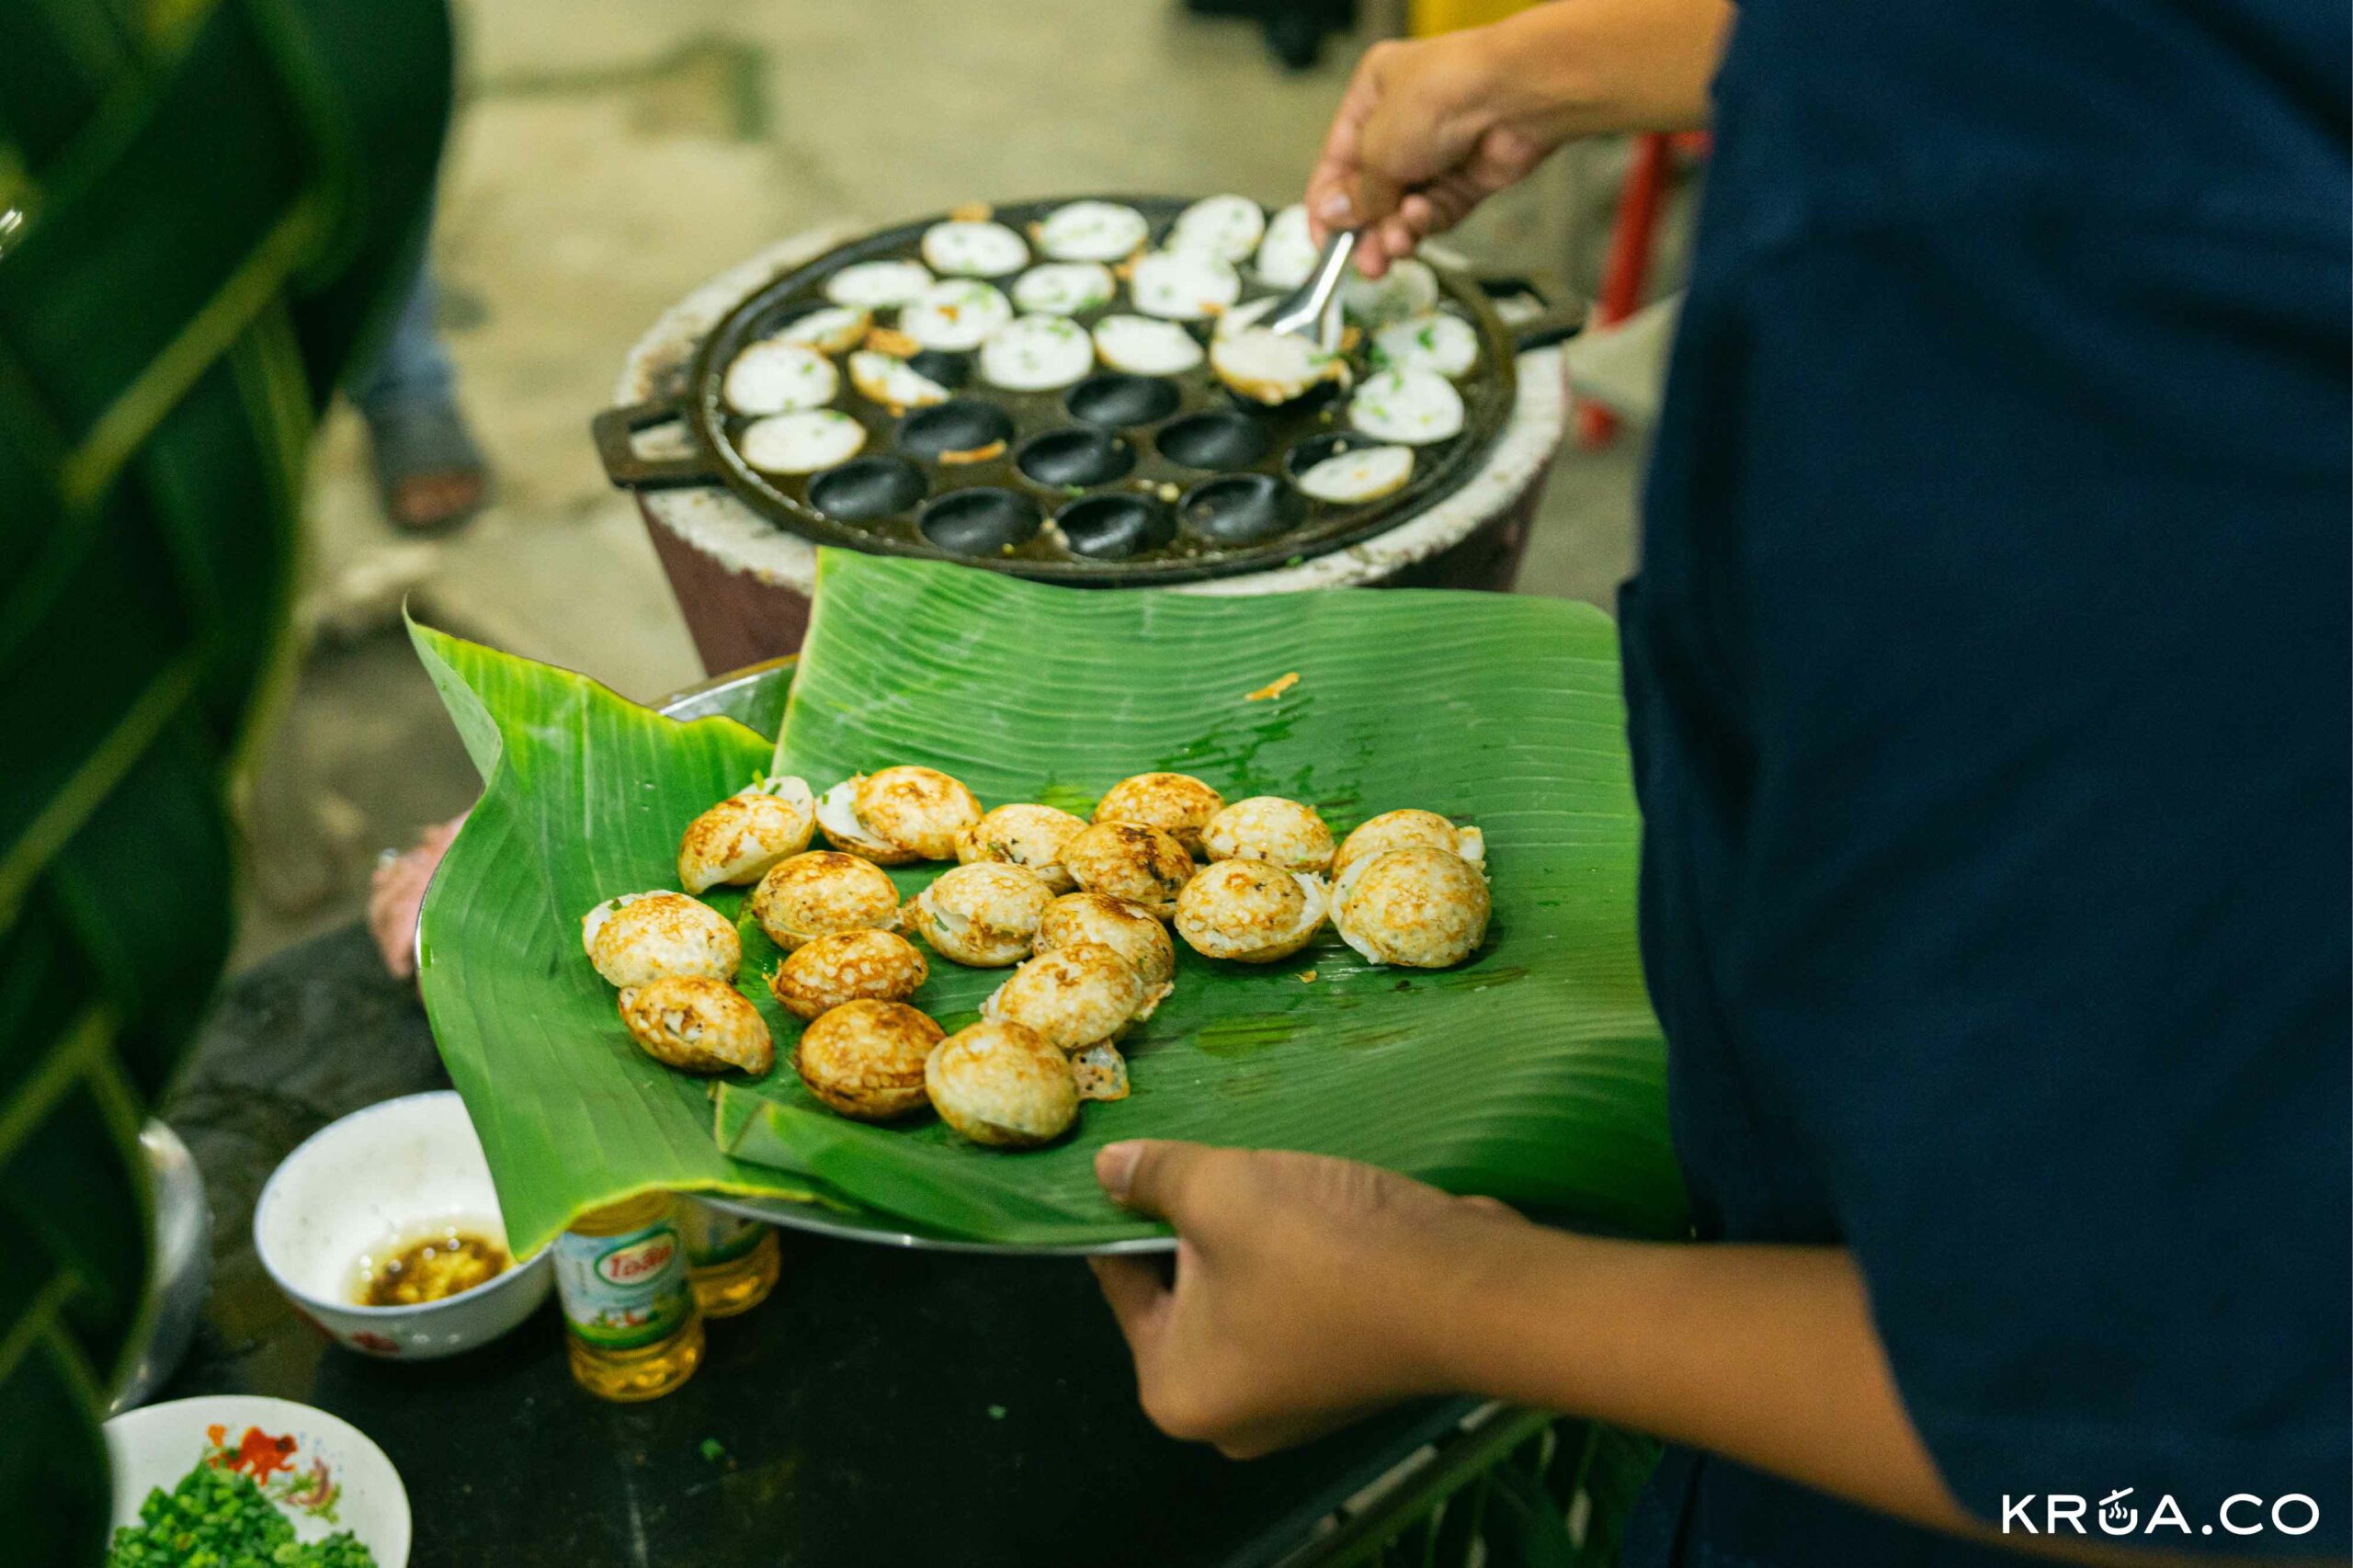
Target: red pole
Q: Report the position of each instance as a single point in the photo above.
(1628, 263)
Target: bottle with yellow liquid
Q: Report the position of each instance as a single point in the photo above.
(731, 1262)
(631, 1325)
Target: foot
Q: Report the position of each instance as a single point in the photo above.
(429, 474)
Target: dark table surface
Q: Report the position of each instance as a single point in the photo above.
(883, 1407)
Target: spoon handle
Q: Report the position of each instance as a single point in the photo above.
(1303, 313)
(1329, 266)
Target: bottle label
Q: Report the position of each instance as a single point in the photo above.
(714, 1236)
(626, 1290)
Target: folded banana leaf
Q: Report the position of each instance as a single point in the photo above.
(1532, 1073)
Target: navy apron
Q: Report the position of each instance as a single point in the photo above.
(1988, 670)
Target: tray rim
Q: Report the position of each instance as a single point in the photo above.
(882, 1231)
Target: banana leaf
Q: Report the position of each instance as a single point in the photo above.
(1533, 1073)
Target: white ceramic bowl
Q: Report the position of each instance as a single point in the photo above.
(322, 1471)
(370, 1184)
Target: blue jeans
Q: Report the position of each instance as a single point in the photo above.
(413, 370)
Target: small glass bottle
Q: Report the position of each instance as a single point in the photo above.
(631, 1329)
(732, 1262)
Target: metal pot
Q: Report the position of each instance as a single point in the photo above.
(182, 1233)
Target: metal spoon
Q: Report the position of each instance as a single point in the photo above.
(1311, 310)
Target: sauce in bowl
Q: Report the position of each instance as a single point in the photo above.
(439, 1265)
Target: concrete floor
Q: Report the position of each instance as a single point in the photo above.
(608, 156)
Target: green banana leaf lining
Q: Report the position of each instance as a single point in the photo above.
(1533, 1073)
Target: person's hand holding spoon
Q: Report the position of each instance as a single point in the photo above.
(1430, 127)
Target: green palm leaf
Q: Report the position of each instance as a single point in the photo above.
(1533, 1073)
(203, 205)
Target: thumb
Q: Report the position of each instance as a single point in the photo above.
(1149, 1176)
(1376, 197)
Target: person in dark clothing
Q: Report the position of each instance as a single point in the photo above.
(1988, 677)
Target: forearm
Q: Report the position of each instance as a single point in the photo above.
(1592, 67)
(1765, 1355)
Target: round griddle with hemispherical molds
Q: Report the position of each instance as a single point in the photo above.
(1114, 478)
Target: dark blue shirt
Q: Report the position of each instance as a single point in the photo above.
(1988, 669)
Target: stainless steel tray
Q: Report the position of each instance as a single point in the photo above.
(884, 1231)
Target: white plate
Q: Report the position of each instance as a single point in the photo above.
(334, 1477)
